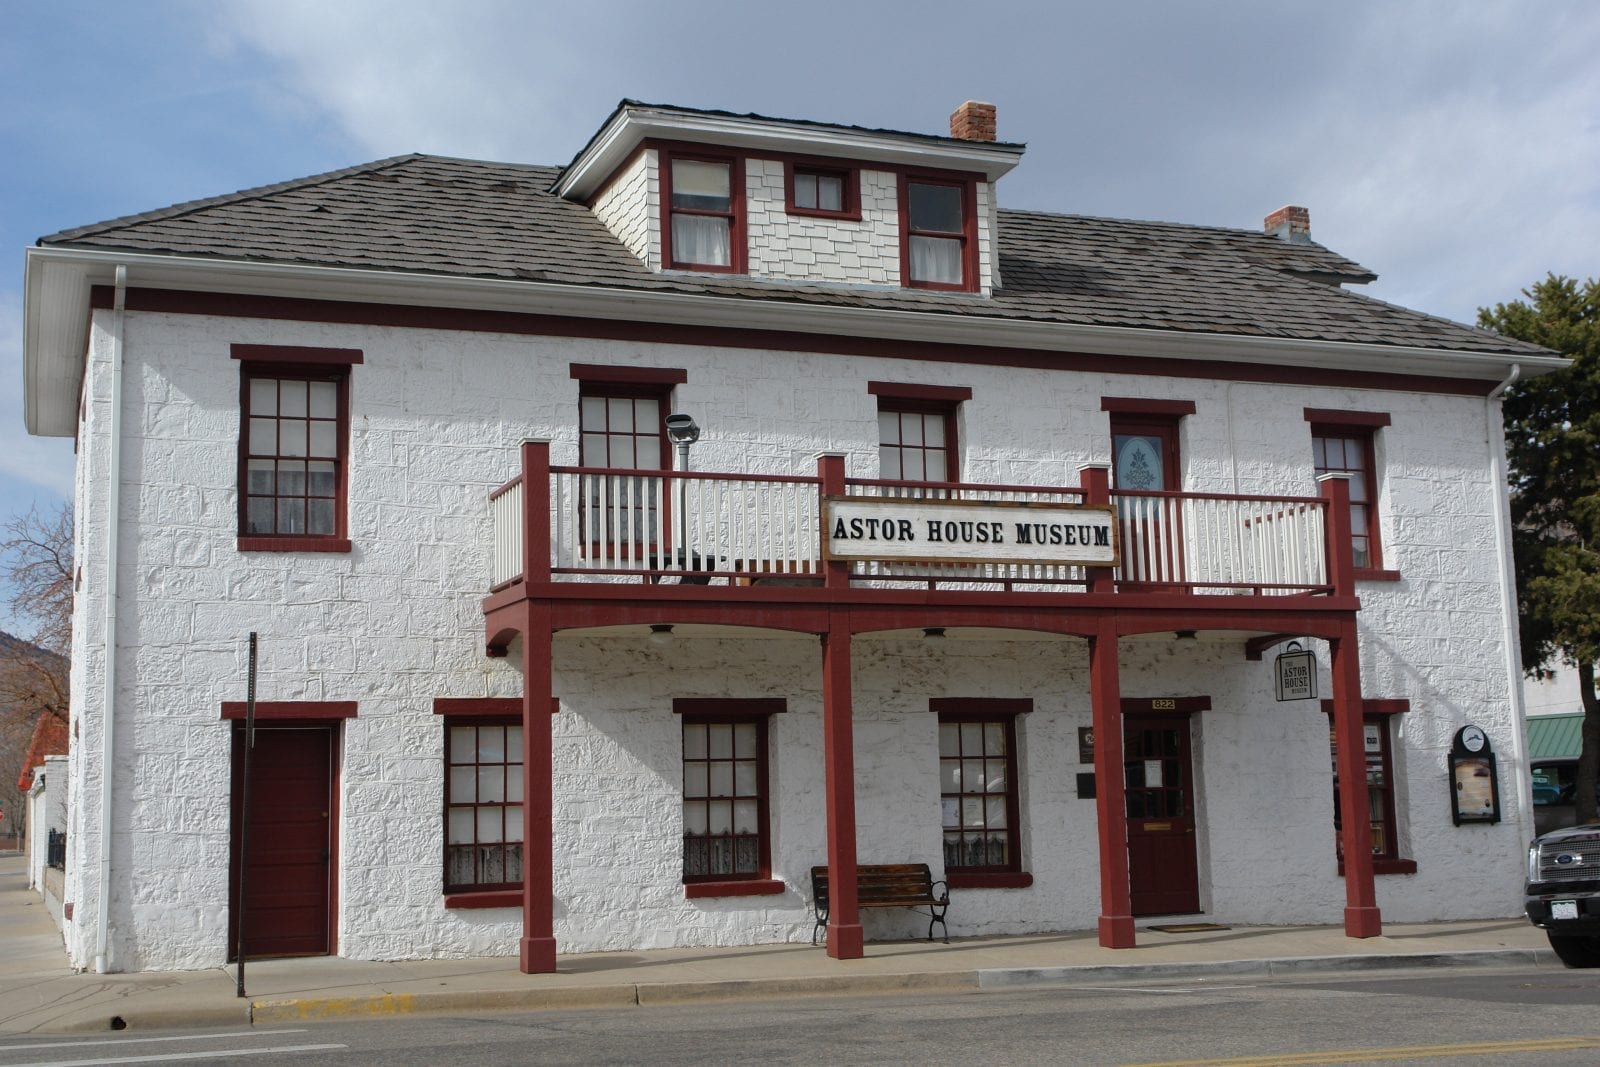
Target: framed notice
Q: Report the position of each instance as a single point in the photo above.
(1474, 778)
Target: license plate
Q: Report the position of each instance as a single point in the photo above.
(1563, 909)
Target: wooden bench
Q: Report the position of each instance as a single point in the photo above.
(887, 885)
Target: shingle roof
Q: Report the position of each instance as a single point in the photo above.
(436, 215)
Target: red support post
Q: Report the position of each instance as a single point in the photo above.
(1340, 545)
(538, 796)
(535, 512)
(1095, 481)
(830, 471)
(1361, 916)
(1105, 694)
(838, 742)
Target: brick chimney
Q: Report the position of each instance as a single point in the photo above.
(973, 121)
(1289, 223)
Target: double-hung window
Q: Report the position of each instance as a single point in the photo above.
(917, 431)
(1344, 442)
(937, 233)
(725, 797)
(483, 804)
(294, 447)
(829, 192)
(705, 216)
(979, 798)
(622, 427)
(1378, 754)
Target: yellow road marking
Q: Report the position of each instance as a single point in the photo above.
(1381, 1055)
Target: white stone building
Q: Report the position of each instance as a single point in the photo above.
(629, 710)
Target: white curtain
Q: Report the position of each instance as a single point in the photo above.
(700, 239)
(936, 259)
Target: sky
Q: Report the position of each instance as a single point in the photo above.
(1453, 149)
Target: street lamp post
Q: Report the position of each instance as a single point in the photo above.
(684, 432)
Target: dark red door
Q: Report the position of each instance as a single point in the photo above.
(289, 874)
(1163, 873)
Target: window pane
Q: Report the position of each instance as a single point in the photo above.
(514, 744)
(291, 516)
(261, 477)
(324, 439)
(491, 744)
(995, 775)
(911, 466)
(700, 186)
(592, 413)
(972, 738)
(263, 396)
(291, 438)
(911, 429)
(746, 816)
(889, 464)
(994, 738)
(950, 776)
(263, 437)
(259, 516)
(514, 830)
(514, 784)
(694, 818)
(949, 739)
(972, 775)
(619, 413)
(972, 813)
(491, 785)
(744, 740)
(463, 785)
(721, 738)
(490, 827)
(935, 207)
(594, 451)
(700, 239)
(461, 824)
(291, 479)
(720, 813)
(694, 741)
(744, 778)
(324, 400)
(722, 779)
(933, 467)
(936, 259)
(694, 779)
(830, 193)
(463, 744)
(805, 190)
(996, 814)
(889, 427)
(292, 399)
(933, 430)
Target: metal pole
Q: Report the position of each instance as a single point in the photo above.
(683, 505)
(244, 806)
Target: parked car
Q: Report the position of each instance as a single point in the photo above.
(1555, 784)
(1563, 894)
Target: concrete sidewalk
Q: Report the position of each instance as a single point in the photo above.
(40, 993)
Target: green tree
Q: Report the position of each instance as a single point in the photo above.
(1553, 448)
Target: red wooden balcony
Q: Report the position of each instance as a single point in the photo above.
(737, 530)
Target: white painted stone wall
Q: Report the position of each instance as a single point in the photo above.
(436, 418)
(630, 208)
(808, 248)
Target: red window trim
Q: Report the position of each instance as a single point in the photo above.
(606, 373)
(1004, 710)
(851, 195)
(945, 394)
(1364, 425)
(968, 184)
(734, 710)
(484, 707)
(739, 709)
(738, 253)
(899, 404)
(754, 887)
(1138, 405)
(321, 364)
(1383, 708)
(488, 898)
(1336, 417)
(278, 710)
(302, 354)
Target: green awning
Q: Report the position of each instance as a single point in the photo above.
(1551, 736)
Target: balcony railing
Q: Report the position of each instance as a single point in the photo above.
(702, 528)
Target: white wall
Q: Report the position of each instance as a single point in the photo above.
(436, 418)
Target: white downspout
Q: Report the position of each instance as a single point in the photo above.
(108, 720)
(1495, 432)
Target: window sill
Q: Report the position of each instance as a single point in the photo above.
(293, 544)
(1364, 574)
(752, 887)
(494, 898)
(976, 880)
(1388, 867)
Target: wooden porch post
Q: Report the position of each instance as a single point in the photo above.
(1116, 908)
(1361, 916)
(838, 740)
(838, 746)
(538, 948)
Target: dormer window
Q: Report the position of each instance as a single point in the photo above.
(936, 233)
(823, 191)
(705, 222)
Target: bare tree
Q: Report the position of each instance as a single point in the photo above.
(36, 564)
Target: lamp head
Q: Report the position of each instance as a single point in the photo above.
(682, 429)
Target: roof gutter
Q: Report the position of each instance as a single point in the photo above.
(58, 281)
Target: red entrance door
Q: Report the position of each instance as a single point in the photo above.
(289, 878)
(1163, 873)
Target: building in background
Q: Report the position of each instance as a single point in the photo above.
(996, 526)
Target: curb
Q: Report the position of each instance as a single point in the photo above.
(1019, 977)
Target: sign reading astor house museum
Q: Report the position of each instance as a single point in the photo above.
(958, 531)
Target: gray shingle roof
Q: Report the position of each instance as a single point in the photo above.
(435, 215)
